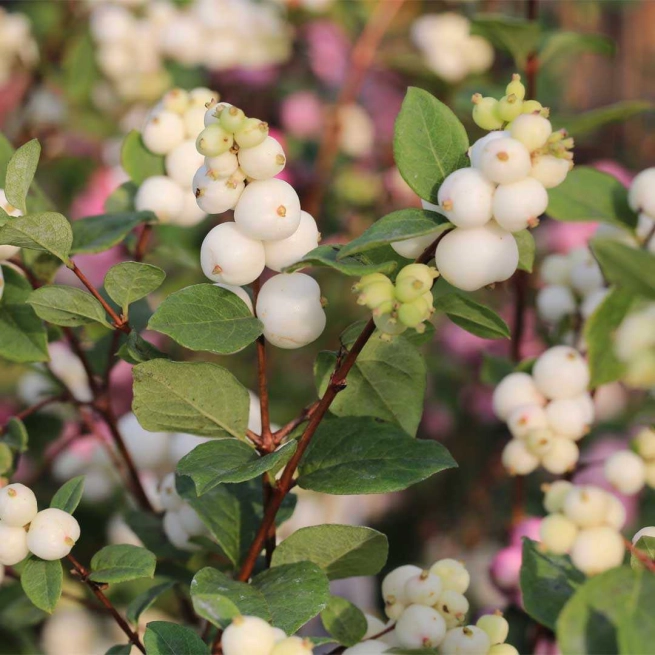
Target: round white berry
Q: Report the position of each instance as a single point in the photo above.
(555, 494)
(469, 640)
(248, 634)
(393, 585)
(557, 533)
(644, 532)
(223, 165)
(554, 302)
(289, 306)
(540, 442)
(191, 213)
(502, 649)
(471, 258)
(592, 302)
(293, 646)
(268, 210)
(17, 505)
(423, 589)
(531, 130)
(229, 256)
(163, 132)
(7, 252)
(518, 459)
(420, 627)
(13, 545)
(374, 626)
(182, 444)
(496, 627)
(283, 253)
(465, 198)
(412, 248)
(162, 196)
(176, 533)
(216, 196)
(169, 498)
(475, 151)
(194, 122)
(561, 372)
(52, 534)
(515, 391)
(624, 470)
(561, 457)
(149, 450)
(213, 112)
(568, 417)
(190, 521)
(549, 170)
(518, 206)
(239, 291)
(586, 277)
(176, 100)
(505, 160)
(453, 606)
(182, 163)
(526, 419)
(371, 647)
(597, 549)
(556, 269)
(586, 506)
(616, 515)
(394, 610)
(642, 192)
(453, 574)
(644, 442)
(263, 161)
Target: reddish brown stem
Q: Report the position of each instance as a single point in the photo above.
(83, 574)
(142, 243)
(640, 555)
(280, 435)
(32, 409)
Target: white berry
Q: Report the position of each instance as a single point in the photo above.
(597, 549)
(162, 196)
(149, 450)
(469, 640)
(453, 606)
(393, 585)
(568, 417)
(624, 470)
(248, 634)
(616, 515)
(13, 545)
(176, 533)
(518, 459)
(515, 391)
(556, 269)
(475, 151)
(561, 372)
(586, 277)
(518, 206)
(549, 170)
(293, 646)
(182, 163)
(644, 532)
(505, 160)
(169, 498)
(496, 627)
(453, 574)
(423, 589)
(412, 248)
(555, 494)
(223, 165)
(239, 291)
(263, 161)
(371, 647)
(525, 419)
(52, 534)
(561, 457)
(465, 198)
(17, 505)
(554, 302)
(531, 130)
(163, 132)
(557, 533)
(420, 627)
(586, 506)
(285, 252)
(642, 192)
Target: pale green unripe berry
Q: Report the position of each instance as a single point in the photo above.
(518, 459)
(420, 627)
(597, 549)
(540, 442)
(509, 107)
(426, 274)
(376, 294)
(502, 649)
(586, 506)
(369, 279)
(616, 515)
(231, 118)
(561, 457)
(534, 106)
(531, 130)
(485, 113)
(453, 574)
(423, 589)
(393, 585)
(624, 470)
(554, 495)
(469, 640)
(251, 133)
(516, 87)
(248, 634)
(409, 289)
(496, 627)
(389, 326)
(557, 533)
(453, 606)
(293, 646)
(644, 443)
(214, 141)
(414, 313)
(17, 505)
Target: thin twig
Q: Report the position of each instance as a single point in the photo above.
(640, 555)
(142, 243)
(32, 409)
(281, 434)
(83, 574)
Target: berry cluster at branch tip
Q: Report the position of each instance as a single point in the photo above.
(49, 534)
(407, 303)
(546, 412)
(254, 636)
(629, 471)
(586, 523)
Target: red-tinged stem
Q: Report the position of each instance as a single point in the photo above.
(142, 243)
(640, 555)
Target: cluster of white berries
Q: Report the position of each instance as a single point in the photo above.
(49, 534)
(254, 636)
(429, 609)
(546, 412)
(132, 48)
(269, 228)
(585, 522)
(406, 304)
(503, 191)
(18, 49)
(448, 47)
(634, 345)
(574, 284)
(181, 521)
(641, 198)
(628, 471)
(171, 130)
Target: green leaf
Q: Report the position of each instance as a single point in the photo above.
(6, 459)
(610, 613)
(341, 551)
(429, 143)
(47, 232)
(20, 173)
(397, 226)
(128, 282)
(79, 67)
(387, 382)
(472, 316)
(148, 527)
(42, 583)
(43, 265)
(218, 598)
(630, 268)
(195, 397)
(24, 337)
(99, 233)
(68, 496)
(517, 36)
(139, 163)
(206, 317)
(137, 350)
(122, 199)
(226, 460)
(329, 256)
(583, 124)
(647, 546)
(145, 600)
(494, 369)
(163, 638)
(67, 306)
(344, 621)
(590, 195)
(567, 44)
(364, 456)
(16, 436)
(527, 247)
(121, 563)
(120, 649)
(547, 582)
(295, 594)
(599, 330)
